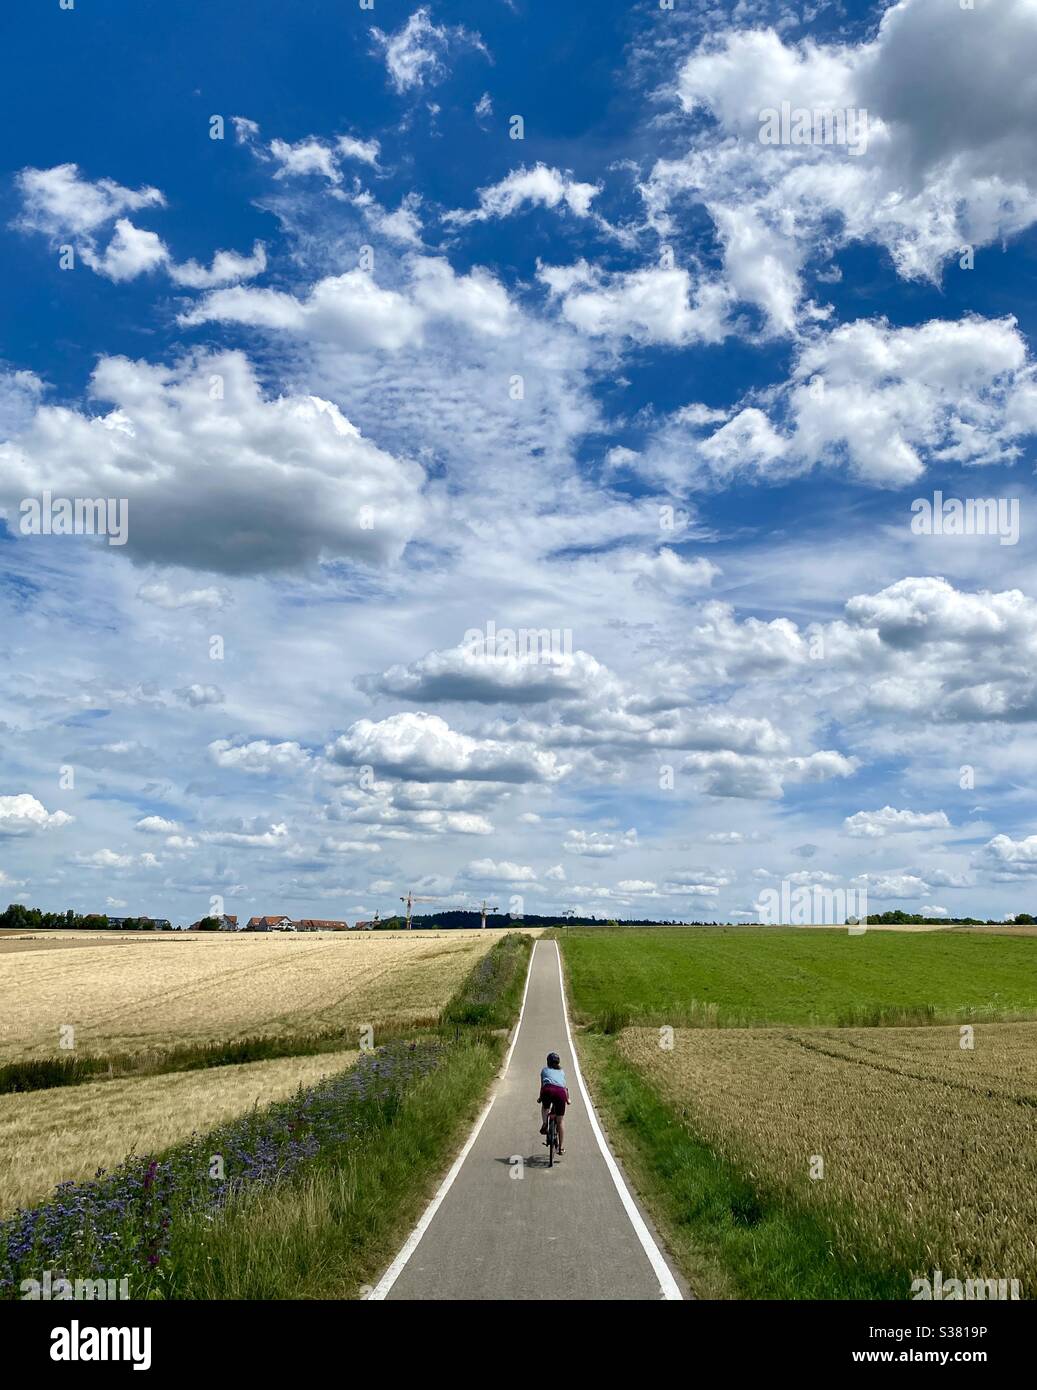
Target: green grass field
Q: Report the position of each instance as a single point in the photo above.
(755, 976)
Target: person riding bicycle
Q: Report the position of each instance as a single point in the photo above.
(554, 1096)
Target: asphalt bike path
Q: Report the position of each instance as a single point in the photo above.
(504, 1225)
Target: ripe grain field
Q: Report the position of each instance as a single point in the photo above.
(927, 1146)
(67, 1133)
(219, 988)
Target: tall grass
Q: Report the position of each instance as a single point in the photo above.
(328, 1234)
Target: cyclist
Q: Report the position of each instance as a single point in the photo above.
(553, 1097)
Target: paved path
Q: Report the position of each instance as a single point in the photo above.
(568, 1232)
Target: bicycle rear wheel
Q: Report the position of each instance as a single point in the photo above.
(552, 1140)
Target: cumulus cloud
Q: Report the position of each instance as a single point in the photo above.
(60, 201)
(880, 401)
(462, 673)
(259, 756)
(158, 825)
(227, 268)
(66, 208)
(354, 312)
(503, 871)
(658, 304)
(22, 814)
(1006, 859)
(217, 476)
(423, 747)
(197, 695)
(944, 160)
(873, 825)
(541, 186)
(132, 251)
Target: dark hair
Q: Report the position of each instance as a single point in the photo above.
(553, 1059)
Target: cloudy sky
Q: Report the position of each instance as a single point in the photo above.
(390, 325)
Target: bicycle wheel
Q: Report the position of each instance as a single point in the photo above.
(552, 1141)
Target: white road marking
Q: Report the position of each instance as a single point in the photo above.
(668, 1286)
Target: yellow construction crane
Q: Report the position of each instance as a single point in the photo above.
(484, 909)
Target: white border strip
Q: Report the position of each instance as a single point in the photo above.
(381, 1289)
(668, 1286)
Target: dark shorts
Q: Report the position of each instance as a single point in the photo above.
(555, 1097)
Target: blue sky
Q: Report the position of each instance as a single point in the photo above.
(371, 374)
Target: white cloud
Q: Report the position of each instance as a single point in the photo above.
(158, 825)
(1007, 859)
(235, 483)
(883, 402)
(654, 305)
(68, 209)
(131, 252)
(197, 695)
(22, 814)
(354, 312)
(59, 201)
(305, 157)
(598, 844)
(540, 186)
(423, 747)
(259, 756)
(462, 673)
(414, 53)
(105, 859)
(227, 268)
(504, 871)
(873, 825)
(944, 162)
(162, 595)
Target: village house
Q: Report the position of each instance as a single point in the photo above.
(270, 924)
(226, 923)
(319, 924)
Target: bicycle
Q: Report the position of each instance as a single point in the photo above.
(552, 1139)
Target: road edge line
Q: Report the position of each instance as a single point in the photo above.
(668, 1285)
(388, 1279)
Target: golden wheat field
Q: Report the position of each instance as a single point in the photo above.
(163, 993)
(920, 1137)
(67, 1133)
